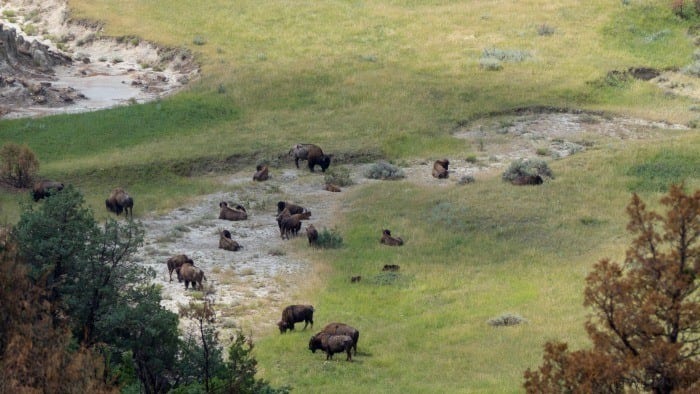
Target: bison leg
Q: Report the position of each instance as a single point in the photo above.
(187, 284)
(347, 350)
(311, 165)
(296, 161)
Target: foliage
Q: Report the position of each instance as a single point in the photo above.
(339, 176)
(545, 30)
(507, 319)
(329, 239)
(384, 170)
(19, 164)
(658, 172)
(523, 167)
(36, 353)
(506, 55)
(646, 312)
(200, 355)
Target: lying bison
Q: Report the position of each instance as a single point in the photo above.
(313, 154)
(191, 274)
(391, 267)
(343, 329)
(387, 239)
(176, 262)
(261, 173)
(440, 169)
(235, 213)
(292, 208)
(331, 188)
(45, 188)
(331, 344)
(226, 242)
(527, 180)
(120, 201)
(296, 314)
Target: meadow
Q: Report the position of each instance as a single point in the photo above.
(393, 80)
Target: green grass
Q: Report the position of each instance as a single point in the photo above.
(391, 80)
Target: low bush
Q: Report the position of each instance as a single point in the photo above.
(384, 170)
(507, 319)
(339, 176)
(522, 167)
(18, 164)
(329, 239)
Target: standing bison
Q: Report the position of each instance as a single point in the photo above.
(313, 154)
(312, 234)
(331, 344)
(191, 274)
(296, 314)
(45, 188)
(343, 329)
(440, 169)
(176, 262)
(235, 213)
(120, 201)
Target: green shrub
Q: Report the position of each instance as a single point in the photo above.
(329, 239)
(339, 176)
(384, 170)
(490, 64)
(466, 180)
(507, 319)
(199, 40)
(523, 167)
(506, 55)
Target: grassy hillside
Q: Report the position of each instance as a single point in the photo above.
(393, 79)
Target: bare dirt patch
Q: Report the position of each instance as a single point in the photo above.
(53, 64)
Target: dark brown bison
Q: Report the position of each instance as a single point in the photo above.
(343, 329)
(189, 273)
(331, 344)
(355, 279)
(313, 154)
(440, 169)
(391, 267)
(331, 188)
(292, 208)
(227, 243)
(296, 314)
(176, 262)
(45, 188)
(235, 213)
(312, 234)
(261, 173)
(291, 224)
(120, 201)
(387, 239)
(527, 180)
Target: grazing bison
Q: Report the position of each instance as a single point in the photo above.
(120, 201)
(189, 273)
(387, 239)
(391, 267)
(527, 180)
(312, 234)
(291, 224)
(331, 344)
(226, 242)
(355, 279)
(261, 173)
(176, 262)
(440, 169)
(45, 188)
(296, 314)
(235, 213)
(292, 208)
(331, 188)
(343, 329)
(313, 154)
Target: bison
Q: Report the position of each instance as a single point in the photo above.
(235, 213)
(527, 180)
(45, 188)
(292, 208)
(355, 279)
(226, 242)
(331, 344)
(261, 173)
(313, 154)
(291, 224)
(387, 239)
(296, 314)
(189, 273)
(120, 201)
(391, 267)
(176, 262)
(331, 188)
(343, 329)
(440, 169)
(312, 234)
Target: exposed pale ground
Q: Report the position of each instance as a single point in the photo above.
(250, 287)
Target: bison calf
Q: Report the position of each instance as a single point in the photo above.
(331, 344)
(312, 234)
(296, 314)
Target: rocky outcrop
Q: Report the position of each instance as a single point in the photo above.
(20, 57)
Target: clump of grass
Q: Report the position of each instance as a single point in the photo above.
(117, 59)
(522, 167)
(466, 179)
(199, 40)
(329, 239)
(30, 29)
(545, 30)
(276, 252)
(506, 55)
(506, 319)
(590, 221)
(338, 176)
(542, 151)
(490, 64)
(384, 170)
(471, 159)
(656, 36)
